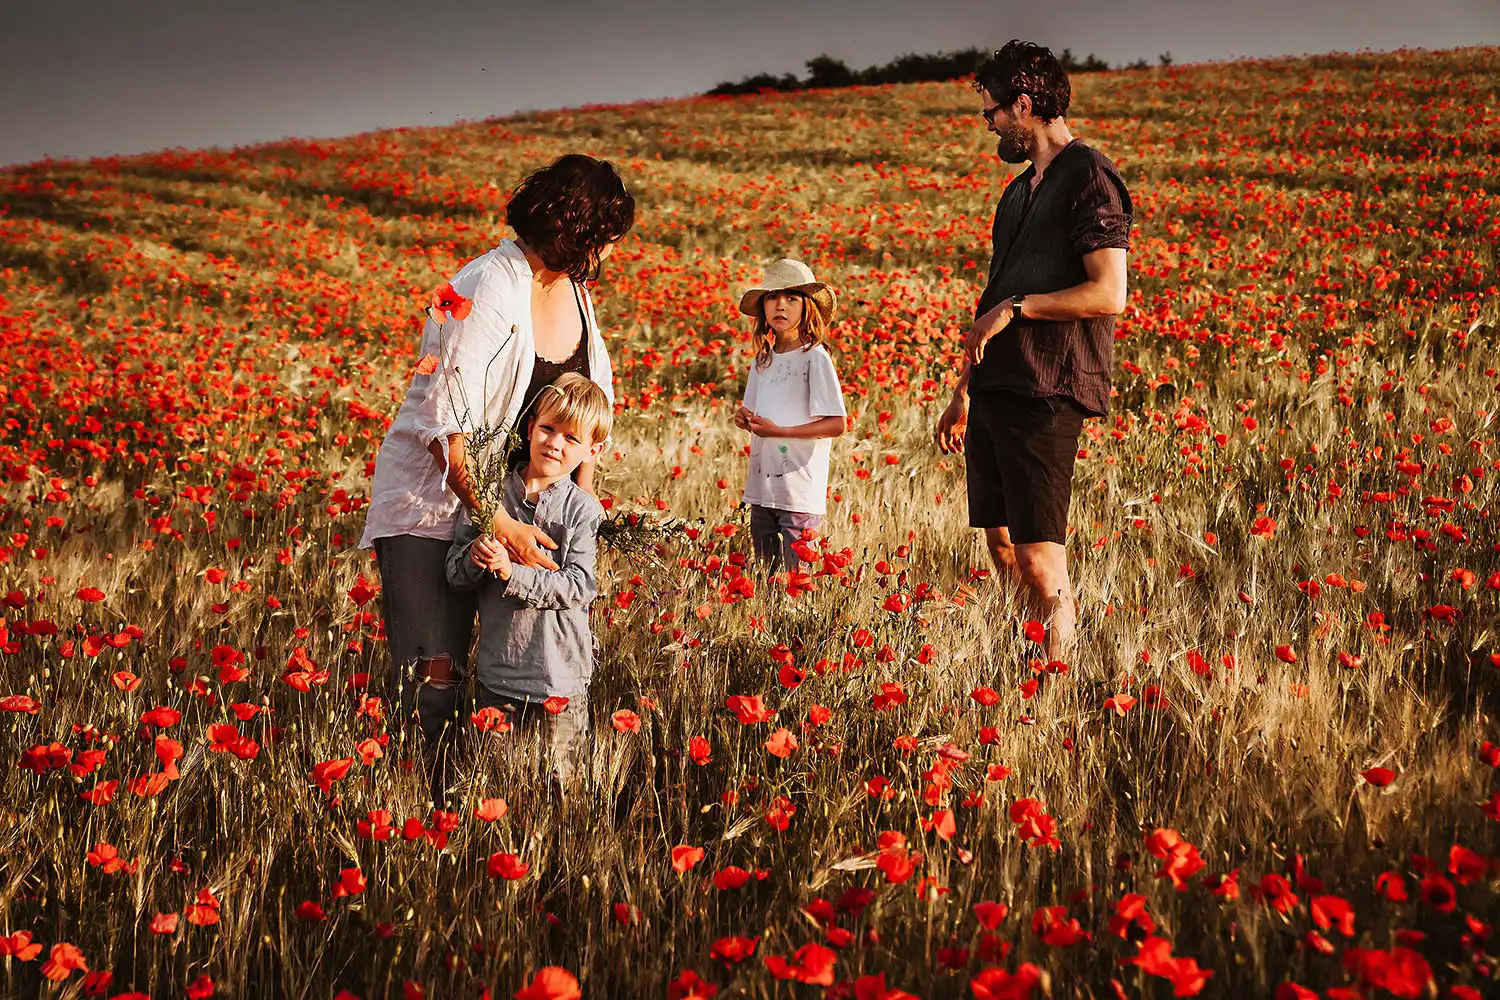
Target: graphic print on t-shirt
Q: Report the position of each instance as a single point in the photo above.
(789, 455)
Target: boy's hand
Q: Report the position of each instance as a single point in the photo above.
(488, 553)
(742, 418)
(761, 427)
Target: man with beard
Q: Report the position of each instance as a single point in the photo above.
(1038, 357)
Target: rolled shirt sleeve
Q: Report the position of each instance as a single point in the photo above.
(1101, 212)
(825, 397)
(466, 375)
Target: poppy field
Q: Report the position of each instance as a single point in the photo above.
(1270, 768)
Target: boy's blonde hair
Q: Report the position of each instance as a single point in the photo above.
(576, 401)
(811, 329)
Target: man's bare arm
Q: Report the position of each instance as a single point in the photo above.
(1102, 294)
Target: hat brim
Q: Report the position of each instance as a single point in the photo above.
(817, 292)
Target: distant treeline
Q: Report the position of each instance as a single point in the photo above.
(826, 71)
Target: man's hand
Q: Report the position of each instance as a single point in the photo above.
(952, 424)
(521, 540)
(488, 553)
(761, 427)
(984, 328)
(742, 418)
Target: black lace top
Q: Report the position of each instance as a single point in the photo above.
(544, 372)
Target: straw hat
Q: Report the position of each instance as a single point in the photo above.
(794, 276)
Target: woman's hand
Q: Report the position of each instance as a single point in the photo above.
(521, 541)
(488, 553)
(742, 418)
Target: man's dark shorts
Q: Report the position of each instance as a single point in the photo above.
(1019, 453)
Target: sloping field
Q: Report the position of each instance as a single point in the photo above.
(1272, 760)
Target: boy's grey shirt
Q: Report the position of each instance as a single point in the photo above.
(534, 638)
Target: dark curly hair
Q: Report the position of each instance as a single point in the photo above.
(1026, 68)
(569, 211)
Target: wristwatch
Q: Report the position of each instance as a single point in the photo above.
(1015, 307)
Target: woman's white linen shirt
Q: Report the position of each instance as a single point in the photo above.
(485, 363)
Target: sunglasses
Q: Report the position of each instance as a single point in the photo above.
(988, 114)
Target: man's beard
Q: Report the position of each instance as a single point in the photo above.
(1010, 146)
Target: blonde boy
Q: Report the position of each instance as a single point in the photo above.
(536, 651)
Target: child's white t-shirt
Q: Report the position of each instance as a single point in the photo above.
(797, 387)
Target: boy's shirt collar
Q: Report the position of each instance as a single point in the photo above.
(517, 482)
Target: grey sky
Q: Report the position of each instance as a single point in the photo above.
(85, 77)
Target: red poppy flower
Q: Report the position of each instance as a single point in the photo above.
(204, 910)
(491, 810)
(311, 911)
(445, 301)
(63, 960)
(20, 704)
(891, 695)
(19, 947)
(161, 716)
(699, 750)
(783, 743)
(329, 771)
(749, 709)
(506, 866)
(998, 984)
(730, 878)
(732, 950)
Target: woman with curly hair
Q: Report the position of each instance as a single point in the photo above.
(514, 319)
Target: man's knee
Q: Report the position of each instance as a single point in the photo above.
(1043, 567)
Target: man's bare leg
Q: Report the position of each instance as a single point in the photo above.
(1043, 568)
(1002, 553)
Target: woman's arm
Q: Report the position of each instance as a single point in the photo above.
(457, 469)
(584, 477)
(520, 539)
(574, 584)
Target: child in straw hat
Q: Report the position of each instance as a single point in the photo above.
(793, 407)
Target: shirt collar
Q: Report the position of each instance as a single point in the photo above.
(518, 483)
(1030, 170)
(511, 250)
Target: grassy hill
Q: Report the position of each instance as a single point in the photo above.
(1284, 545)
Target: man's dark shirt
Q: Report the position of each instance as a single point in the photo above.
(1081, 205)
